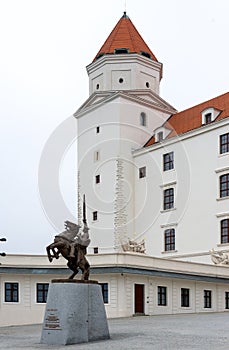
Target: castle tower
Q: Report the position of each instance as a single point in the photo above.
(122, 110)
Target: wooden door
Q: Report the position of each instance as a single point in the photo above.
(139, 298)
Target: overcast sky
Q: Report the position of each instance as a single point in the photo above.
(44, 48)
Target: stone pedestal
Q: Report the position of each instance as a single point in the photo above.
(75, 313)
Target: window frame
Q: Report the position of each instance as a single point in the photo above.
(43, 292)
(142, 172)
(143, 119)
(226, 300)
(168, 161)
(95, 215)
(168, 198)
(208, 118)
(14, 292)
(185, 297)
(97, 179)
(224, 231)
(169, 239)
(105, 291)
(224, 185)
(161, 295)
(223, 144)
(207, 298)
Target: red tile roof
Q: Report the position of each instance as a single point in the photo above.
(125, 35)
(191, 118)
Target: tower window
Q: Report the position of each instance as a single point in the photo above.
(121, 80)
(143, 119)
(121, 51)
(147, 84)
(169, 239)
(142, 172)
(97, 129)
(146, 54)
(96, 156)
(97, 86)
(95, 215)
(168, 198)
(97, 179)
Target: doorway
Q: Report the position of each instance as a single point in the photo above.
(139, 298)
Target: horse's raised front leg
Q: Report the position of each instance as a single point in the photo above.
(48, 249)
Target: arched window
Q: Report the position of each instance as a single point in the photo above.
(143, 119)
(224, 231)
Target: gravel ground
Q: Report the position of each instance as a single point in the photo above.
(167, 332)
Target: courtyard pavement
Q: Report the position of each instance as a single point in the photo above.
(167, 332)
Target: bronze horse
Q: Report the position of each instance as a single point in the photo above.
(67, 244)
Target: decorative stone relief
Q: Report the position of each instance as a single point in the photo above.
(219, 257)
(120, 216)
(132, 246)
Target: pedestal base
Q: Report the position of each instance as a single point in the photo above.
(75, 313)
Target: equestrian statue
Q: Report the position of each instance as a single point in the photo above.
(72, 245)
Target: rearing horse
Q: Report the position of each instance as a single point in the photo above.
(66, 244)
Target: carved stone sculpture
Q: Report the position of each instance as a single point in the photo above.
(219, 258)
(132, 246)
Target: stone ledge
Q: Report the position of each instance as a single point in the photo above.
(61, 280)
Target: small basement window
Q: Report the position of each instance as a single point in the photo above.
(121, 50)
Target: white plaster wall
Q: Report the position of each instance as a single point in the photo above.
(196, 183)
(135, 70)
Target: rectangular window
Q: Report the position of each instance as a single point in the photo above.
(142, 172)
(208, 118)
(104, 287)
(224, 231)
(97, 179)
(160, 136)
(97, 129)
(224, 185)
(11, 292)
(161, 296)
(184, 297)
(169, 239)
(168, 198)
(168, 161)
(226, 300)
(42, 292)
(207, 299)
(224, 143)
(95, 215)
(96, 156)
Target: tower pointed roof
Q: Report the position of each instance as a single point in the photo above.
(125, 38)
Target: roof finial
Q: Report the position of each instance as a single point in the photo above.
(124, 13)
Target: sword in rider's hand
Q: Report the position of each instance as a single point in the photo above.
(84, 210)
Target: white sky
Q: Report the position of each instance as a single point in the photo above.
(45, 46)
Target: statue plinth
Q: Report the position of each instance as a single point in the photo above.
(75, 313)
